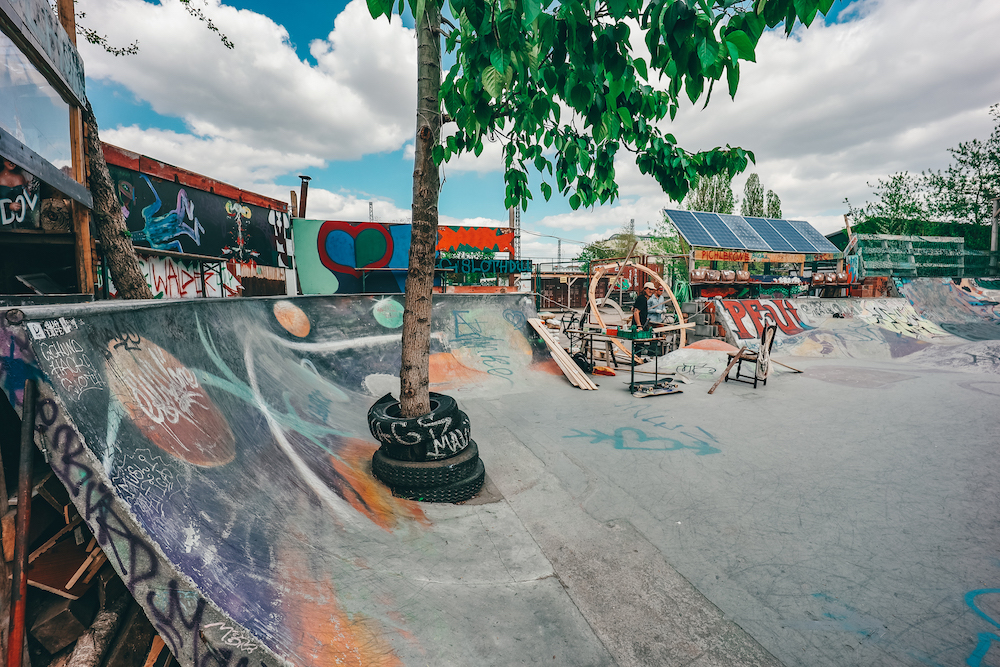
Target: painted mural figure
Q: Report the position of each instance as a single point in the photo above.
(162, 231)
(17, 201)
(239, 215)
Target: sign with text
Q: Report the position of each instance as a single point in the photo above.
(469, 265)
(747, 256)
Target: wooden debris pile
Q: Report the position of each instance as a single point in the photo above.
(77, 611)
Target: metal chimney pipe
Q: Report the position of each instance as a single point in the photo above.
(304, 196)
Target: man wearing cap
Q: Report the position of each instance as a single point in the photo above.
(640, 309)
(658, 306)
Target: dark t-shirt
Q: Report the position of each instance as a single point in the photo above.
(642, 305)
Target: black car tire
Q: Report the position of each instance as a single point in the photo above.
(425, 474)
(412, 436)
(455, 492)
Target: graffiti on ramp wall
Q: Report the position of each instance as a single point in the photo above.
(219, 451)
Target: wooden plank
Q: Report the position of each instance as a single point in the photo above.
(725, 373)
(83, 566)
(154, 651)
(563, 360)
(99, 562)
(55, 538)
(53, 568)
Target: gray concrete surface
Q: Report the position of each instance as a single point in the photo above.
(838, 517)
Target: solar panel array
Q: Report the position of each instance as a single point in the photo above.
(735, 232)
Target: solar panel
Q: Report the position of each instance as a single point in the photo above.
(724, 230)
(820, 242)
(714, 225)
(691, 229)
(792, 236)
(750, 239)
(770, 236)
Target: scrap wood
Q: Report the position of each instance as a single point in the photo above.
(774, 361)
(99, 562)
(736, 358)
(562, 359)
(86, 565)
(154, 651)
(55, 538)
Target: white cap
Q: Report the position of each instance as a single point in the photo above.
(649, 286)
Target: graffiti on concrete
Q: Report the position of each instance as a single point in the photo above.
(629, 437)
(751, 316)
(334, 256)
(984, 640)
(170, 278)
(219, 452)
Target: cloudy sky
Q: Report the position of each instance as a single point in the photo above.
(319, 88)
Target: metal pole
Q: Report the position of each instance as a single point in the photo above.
(304, 195)
(994, 236)
(19, 583)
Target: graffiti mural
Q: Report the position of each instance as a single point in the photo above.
(176, 279)
(961, 307)
(19, 197)
(864, 328)
(220, 452)
(372, 257)
(167, 215)
(750, 316)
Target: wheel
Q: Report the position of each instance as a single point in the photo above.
(455, 492)
(425, 474)
(414, 435)
(455, 438)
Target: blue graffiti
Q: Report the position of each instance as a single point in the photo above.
(162, 230)
(986, 639)
(656, 443)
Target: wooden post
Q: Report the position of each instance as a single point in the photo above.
(19, 587)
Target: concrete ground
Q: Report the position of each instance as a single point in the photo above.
(842, 516)
(845, 515)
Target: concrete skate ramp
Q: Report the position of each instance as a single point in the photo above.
(834, 328)
(962, 307)
(219, 451)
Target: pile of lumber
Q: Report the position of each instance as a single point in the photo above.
(569, 368)
(78, 612)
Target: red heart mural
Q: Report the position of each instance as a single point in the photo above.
(345, 247)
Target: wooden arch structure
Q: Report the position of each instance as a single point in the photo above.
(619, 266)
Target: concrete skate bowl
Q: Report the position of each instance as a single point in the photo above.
(219, 451)
(834, 328)
(968, 308)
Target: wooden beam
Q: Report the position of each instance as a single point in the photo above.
(725, 373)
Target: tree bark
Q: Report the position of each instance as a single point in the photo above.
(413, 373)
(109, 221)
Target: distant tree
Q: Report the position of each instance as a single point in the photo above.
(753, 197)
(773, 205)
(625, 239)
(902, 196)
(712, 194)
(963, 192)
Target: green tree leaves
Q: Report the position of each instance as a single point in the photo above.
(561, 85)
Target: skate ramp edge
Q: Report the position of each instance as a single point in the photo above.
(219, 451)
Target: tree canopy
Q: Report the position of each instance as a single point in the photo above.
(540, 75)
(713, 194)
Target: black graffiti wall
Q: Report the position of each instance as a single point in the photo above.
(169, 216)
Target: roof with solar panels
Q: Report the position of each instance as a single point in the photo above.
(736, 232)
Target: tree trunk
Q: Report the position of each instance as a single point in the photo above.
(413, 373)
(109, 221)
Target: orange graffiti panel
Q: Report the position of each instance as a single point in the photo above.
(468, 239)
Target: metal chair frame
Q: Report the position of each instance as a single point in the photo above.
(760, 358)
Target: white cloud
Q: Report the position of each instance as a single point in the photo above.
(358, 99)
(226, 160)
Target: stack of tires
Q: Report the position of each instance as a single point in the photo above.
(430, 458)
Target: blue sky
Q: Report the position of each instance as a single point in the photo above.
(321, 89)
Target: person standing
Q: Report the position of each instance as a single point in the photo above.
(640, 308)
(658, 306)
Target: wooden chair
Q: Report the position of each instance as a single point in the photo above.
(761, 359)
